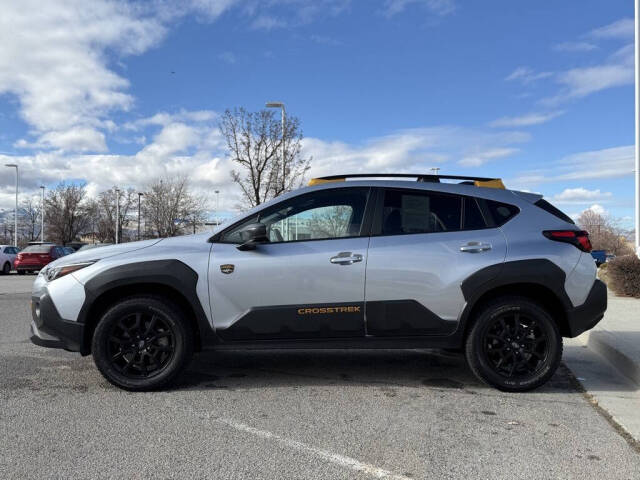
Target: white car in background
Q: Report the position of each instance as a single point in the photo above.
(7, 257)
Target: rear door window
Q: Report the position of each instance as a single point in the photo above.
(406, 211)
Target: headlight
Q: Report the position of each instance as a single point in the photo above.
(51, 273)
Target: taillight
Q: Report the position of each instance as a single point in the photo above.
(578, 238)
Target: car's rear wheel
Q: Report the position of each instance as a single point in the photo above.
(6, 268)
(514, 345)
(142, 343)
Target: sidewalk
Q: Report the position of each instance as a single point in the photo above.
(606, 361)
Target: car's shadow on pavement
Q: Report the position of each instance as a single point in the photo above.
(250, 369)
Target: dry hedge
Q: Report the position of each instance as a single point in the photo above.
(623, 274)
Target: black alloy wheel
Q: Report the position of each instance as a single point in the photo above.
(142, 343)
(514, 344)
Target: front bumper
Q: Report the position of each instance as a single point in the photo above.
(49, 329)
(586, 316)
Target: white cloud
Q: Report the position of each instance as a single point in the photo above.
(573, 47)
(620, 29)
(527, 75)
(580, 195)
(613, 162)
(414, 150)
(525, 120)
(437, 7)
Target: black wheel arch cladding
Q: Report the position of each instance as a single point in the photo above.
(540, 272)
(142, 277)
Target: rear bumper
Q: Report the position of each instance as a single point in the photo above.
(28, 266)
(49, 329)
(586, 316)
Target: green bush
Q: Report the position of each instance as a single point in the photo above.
(624, 275)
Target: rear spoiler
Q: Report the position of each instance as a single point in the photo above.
(528, 196)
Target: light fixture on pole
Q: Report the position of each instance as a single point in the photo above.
(140, 194)
(15, 233)
(217, 192)
(280, 105)
(117, 212)
(42, 215)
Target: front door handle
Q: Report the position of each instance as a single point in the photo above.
(346, 258)
(475, 247)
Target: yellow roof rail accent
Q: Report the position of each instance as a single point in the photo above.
(496, 183)
(320, 181)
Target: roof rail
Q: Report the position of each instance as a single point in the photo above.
(420, 177)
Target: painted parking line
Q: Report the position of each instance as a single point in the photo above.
(343, 461)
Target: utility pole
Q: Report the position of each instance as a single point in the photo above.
(42, 216)
(117, 212)
(15, 233)
(140, 194)
(217, 192)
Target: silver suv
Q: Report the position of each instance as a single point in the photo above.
(349, 262)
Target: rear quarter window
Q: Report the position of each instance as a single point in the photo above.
(500, 212)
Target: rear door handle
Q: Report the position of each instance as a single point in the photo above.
(475, 247)
(346, 258)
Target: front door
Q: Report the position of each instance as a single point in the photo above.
(307, 282)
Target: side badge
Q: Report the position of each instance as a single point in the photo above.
(227, 268)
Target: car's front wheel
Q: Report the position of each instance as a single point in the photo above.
(514, 345)
(142, 343)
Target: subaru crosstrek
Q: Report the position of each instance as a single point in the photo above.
(348, 262)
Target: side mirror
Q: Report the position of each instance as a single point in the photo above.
(253, 235)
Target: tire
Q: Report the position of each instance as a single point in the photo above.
(6, 268)
(158, 331)
(21, 272)
(514, 345)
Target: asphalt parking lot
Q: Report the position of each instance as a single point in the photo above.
(290, 414)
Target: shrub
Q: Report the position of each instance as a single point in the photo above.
(624, 275)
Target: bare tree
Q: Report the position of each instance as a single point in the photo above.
(29, 217)
(66, 212)
(604, 233)
(103, 212)
(330, 222)
(170, 208)
(255, 142)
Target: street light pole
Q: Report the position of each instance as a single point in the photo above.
(42, 215)
(280, 105)
(117, 212)
(140, 194)
(15, 233)
(637, 172)
(217, 192)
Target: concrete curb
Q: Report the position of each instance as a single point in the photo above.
(605, 344)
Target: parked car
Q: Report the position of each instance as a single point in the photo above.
(35, 257)
(500, 275)
(600, 256)
(68, 250)
(7, 258)
(76, 245)
(89, 246)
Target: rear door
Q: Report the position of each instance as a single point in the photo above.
(424, 245)
(307, 282)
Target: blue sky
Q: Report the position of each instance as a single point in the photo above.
(539, 93)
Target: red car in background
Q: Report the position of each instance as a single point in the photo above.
(35, 257)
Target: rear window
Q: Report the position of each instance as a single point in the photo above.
(37, 249)
(547, 207)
